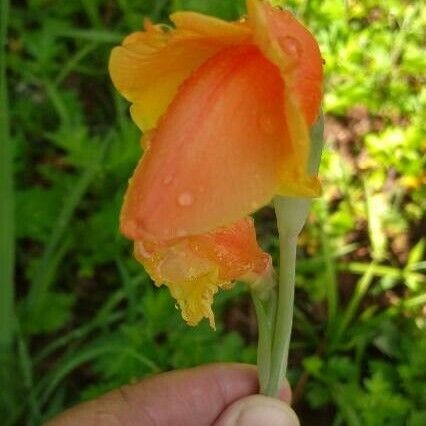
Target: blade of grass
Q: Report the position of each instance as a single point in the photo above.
(331, 284)
(73, 62)
(7, 225)
(92, 12)
(98, 36)
(129, 289)
(159, 7)
(374, 212)
(305, 326)
(57, 102)
(379, 270)
(316, 263)
(42, 278)
(361, 289)
(27, 374)
(104, 317)
(47, 386)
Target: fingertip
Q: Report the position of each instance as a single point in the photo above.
(258, 410)
(285, 393)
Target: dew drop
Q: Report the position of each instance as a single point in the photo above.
(267, 124)
(291, 46)
(167, 180)
(185, 199)
(182, 233)
(141, 250)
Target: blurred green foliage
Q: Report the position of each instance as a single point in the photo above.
(88, 318)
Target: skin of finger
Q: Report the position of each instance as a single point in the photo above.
(193, 397)
(285, 393)
(258, 410)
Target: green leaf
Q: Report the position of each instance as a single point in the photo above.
(54, 313)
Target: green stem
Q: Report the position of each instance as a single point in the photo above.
(284, 317)
(7, 222)
(264, 295)
(291, 216)
(263, 343)
(291, 213)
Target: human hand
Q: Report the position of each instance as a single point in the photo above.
(217, 394)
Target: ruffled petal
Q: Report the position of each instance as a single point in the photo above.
(217, 154)
(195, 268)
(150, 66)
(211, 27)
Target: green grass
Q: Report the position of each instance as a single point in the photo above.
(7, 222)
(78, 316)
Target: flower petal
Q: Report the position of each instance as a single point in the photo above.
(216, 155)
(194, 268)
(289, 45)
(150, 65)
(209, 26)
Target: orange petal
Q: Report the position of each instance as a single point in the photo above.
(234, 248)
(195, 268)
(290, 45)
(217, 154)
(150, 66)
(214, 28)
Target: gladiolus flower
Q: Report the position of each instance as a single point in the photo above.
(194, 268)
(226, 109)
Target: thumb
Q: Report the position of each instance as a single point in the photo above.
(258, 410)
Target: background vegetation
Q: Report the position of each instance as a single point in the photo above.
(87, 318)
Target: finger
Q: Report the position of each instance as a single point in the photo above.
(258, 410)
(285, 393)
(193, 397)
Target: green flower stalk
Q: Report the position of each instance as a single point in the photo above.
(275, 319)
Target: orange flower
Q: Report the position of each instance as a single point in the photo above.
(226, 109)
(195, 267)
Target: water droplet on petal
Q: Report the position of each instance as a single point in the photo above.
(141, 250)
(291, 46)
(185, 199)
(267, 124)
(182, 233)
(167, 180)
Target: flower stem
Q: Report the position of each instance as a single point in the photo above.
(264, 296)
(264, 343)
(291, 213)
(284, 316)
(291, 216)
